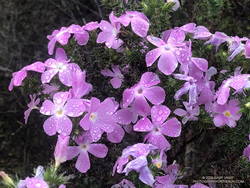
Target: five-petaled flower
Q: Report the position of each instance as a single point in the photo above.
(59, 110)
(159, 127)
(84, 147)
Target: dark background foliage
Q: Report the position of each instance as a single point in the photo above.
(202, 150)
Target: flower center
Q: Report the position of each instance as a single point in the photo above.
(93, 117)
(158, 164)
(84, 147)
(61, 67)
(59, 112)
(140, 91)
(227, 114)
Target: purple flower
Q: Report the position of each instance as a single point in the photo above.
(238, 83)
(235, 46)
(59, 65)
(84, 147)
(190, 114)
(166, 51)
(146, 89)
(159, 127)
(167, 181)
(32, 105)
(79, 85)
(189, 86)
(62, 36)
(60, 152)
(217, 39)
(110, 32)
(202, 33)
(59, 110)
(227, 114)
(19, 76)
(139, 22)
(100, 118)
(117, 77)
(34, 182)
(62, 186)
(135, 158)
(247, 49)
(124, 184)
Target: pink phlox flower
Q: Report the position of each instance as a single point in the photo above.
(190, 86)
(79, 85)
(235, 46)
(167, 181)
(146, 89)
(190, 114)
(59, 65)
(61, 151)
(139, 22)
(117, 76)
(100, 118)
(226, 114)
(19, 76)
(62, 36)
(124, 184)
(85, 146)
(34, 101)
(247, 49)
(135, 158)
(59, 110)
(178, 34)
(109, 33)
(238, 83)
(165, 51)
(80, 35)
(217, 39)
(160, 161)
(158, 127)
(202, 33)
(62, 186)
(206, 87)
(50, 89)
(34, 182)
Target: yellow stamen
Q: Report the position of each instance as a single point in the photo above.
(227, 114)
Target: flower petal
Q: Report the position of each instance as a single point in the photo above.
(149, 79)
(167, 63)
(48, 75)
(49, 126)
(74, 107)
(172, 128)
(159, 114)
(61, 55)
(72, 152)
(143, 125)
(140, 26)
(152, 56)
(116, 135)
(116, 82)
(83, 163)
(98, 150)
(64, 125)
(60, 98)
(156, 95)
(141, 106)
(47, 108)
